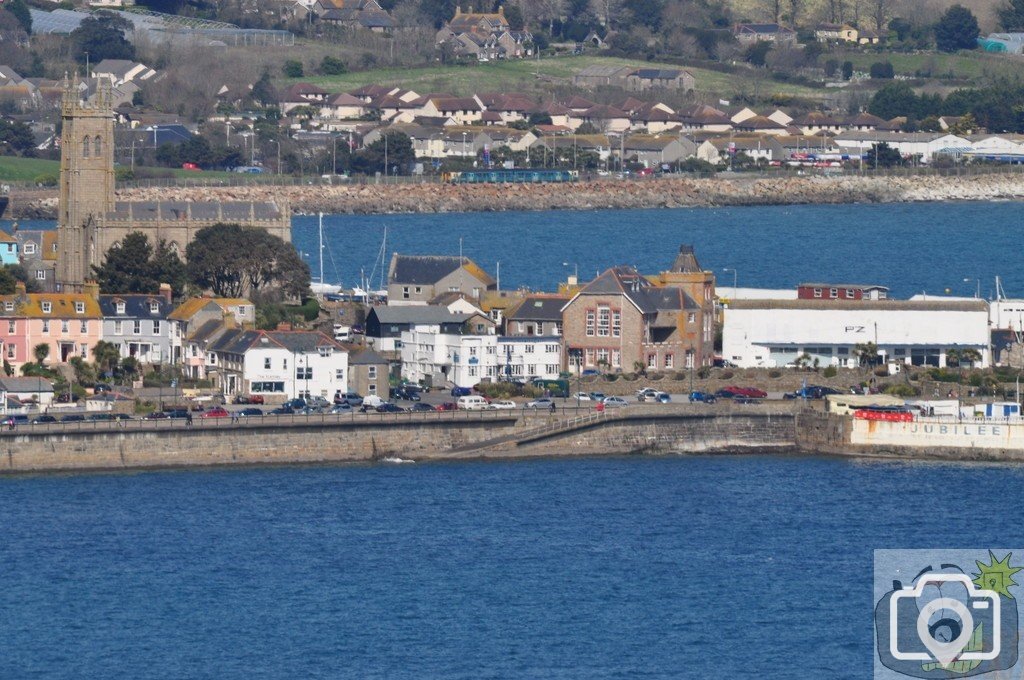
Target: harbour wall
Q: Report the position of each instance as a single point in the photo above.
(311, 440)
(673, 192)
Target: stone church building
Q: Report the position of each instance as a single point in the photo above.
(91, 219)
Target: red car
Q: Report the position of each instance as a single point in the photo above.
(748, 392)
(446, 406)
(215, 412)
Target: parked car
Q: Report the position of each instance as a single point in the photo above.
(43, 419)
(810, 392)
(250, 412)
(501, 405)
(16, 420)
(66, 398)
(388, 407)
(100, 388)
(614, 402)
(350, 398)
(719, 362)
(650, 394)
(590, 371)
(343, 407)
(404, 393)
(295, 404)
(473, 402)
(461, 391)
(597, 396)
(420, 406)
(71, 418)
(281, 411)
(318, 402)
(663, 398)
(178, 413)
(543, 402)
(216, 412)
(446, 406)
(581, 396)
(249, 399)
(155, 415)
(101, 416)
(703, 397)
(372, 401)
(733, 391)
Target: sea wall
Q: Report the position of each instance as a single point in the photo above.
(646, 430)
(431, 197)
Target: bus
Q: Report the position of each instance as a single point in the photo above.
(517, 176)
(557, 388)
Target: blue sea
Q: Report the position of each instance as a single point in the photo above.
(912, 248)
(674, 567)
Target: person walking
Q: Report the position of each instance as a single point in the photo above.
(188, 419)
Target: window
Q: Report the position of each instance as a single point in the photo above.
(604, 318)
(550, 349)
(472, 351)
(267, 387)
(689, 358)
(83, 350)
(11, 325)
(284, 364)
(65, 327)
(339, 374)
(30, 248)
(691, 317)
(8, 306)
(419, 289)
(85, 327)
(531, 369)
(589, 357)
(47, 307)
(616, 358)
(371, 372)
(850, 293)
(154, 307)
(137, 327)
(669, 360)
(40, 275)
(97, 146)
(120, 308)
(371, 388)
(817, 292)
(591, 316)
(85, 147)
(652, 361)
(405, 292)
(156, 328)
(266, 362)
(602, 356)
(118, 328)
(10, 351)
(833, 293)
(304, 373)
(528, 349)
(79, 308)
(552, 368)
(46, 325)
(616, 324)
(558, 328)
(472, 371)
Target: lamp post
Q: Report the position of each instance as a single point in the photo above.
(734, 276)
(464, 154)
(334, 154)
(977, 286)
(278, 155)
(575, 270)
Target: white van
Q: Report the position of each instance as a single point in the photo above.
(471, 403)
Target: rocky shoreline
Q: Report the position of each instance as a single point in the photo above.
(603, 194)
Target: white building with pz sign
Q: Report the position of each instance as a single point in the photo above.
(776, 333)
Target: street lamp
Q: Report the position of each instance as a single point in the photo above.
(575, 270)
(464, 154)
(334, 154)
(734, 275)
(977, 286)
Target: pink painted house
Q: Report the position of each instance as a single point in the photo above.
(69, 323)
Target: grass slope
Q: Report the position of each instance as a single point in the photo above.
(14, 169)
(541, 76)
(970, 66)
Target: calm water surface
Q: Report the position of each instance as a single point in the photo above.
(704, 567)
(909, 247)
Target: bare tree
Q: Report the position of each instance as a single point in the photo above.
(880, 13)
(796, 11)
(607, 11)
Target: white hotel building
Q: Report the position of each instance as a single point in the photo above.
(465, 360)
(774, 333)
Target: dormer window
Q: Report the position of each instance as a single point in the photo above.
(120, 307)
(154, 307)
(325, 351)
(8, 306)
(79, 308)
(30, 248)
(47, 307)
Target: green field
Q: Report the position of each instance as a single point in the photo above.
(960, 66)
(14, 169)
(544, 75)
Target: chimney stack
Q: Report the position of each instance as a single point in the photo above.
(92, 289)
(229, 320)
(284, 326)
(19, 289)
(165, 292)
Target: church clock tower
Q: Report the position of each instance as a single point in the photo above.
(86, 180)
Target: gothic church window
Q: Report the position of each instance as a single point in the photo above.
(85, 147)
(97, 146)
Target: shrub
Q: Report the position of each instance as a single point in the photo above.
(943, 375)
(292, 69)
(881, 371)
(612, 377)
(46, 179)
(901, 390)
(332, 66)
(882, 70)
(726, 375)
(655, 376)
(775, 373)
(830, 372)
(703, 372)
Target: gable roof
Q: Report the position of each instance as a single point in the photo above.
(429, 269)
(537, 308)
(419, 314)
(62, 305)
(646, 297)
(135, 306)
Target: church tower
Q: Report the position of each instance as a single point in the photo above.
(86, 180)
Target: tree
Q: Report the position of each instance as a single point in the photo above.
(882, 70)
(757, 53)
(133, 266)
(41, 352)
(901, 27)
(107, 356)
(16, 139)
(101, 36)
(393, 147)
(866, 353)
(957, 30)
(215, 261)
(882, 155)
(21, 12)
(894, 99)
(831, 67)
(263, 92)
(847, 70)
(1011, 16)
(292, 68)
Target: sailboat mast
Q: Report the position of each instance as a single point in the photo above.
(321, 250)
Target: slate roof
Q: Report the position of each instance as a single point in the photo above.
(364, 357)
(649, 299)
(301, 341)
(893, 305)
(537, 308)
(686, 261)
(425, 314)
(227, 211)
(658, 73)
(207, 331)
(429, 269)
(12, 384)
(135, 306)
